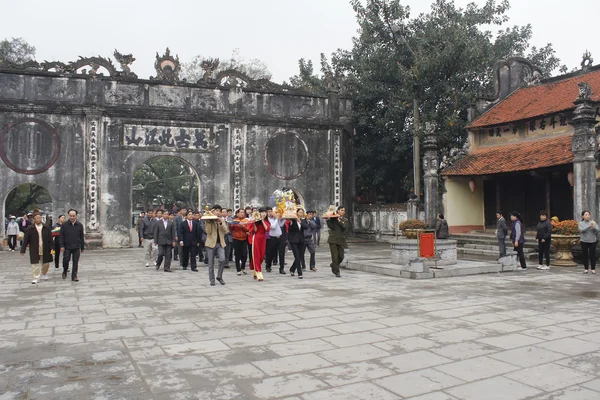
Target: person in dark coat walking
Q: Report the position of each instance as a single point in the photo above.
(544, 237)
(189, 238)
(337, 239)
(295, 230)
(39, 239)
(165, 237)
(517, 237)
(71, 244)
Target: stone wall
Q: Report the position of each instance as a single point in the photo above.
(83, 136)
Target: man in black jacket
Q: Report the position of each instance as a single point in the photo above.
(165, 238)
(295, 231)
(544, 238)
(147, 231)
(189, 238)
(71, 243)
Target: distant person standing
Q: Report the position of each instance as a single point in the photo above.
(24, 224)
(517, 238)
(309, 244)
(12, 230)
(589, 238)
(501, 232)
(71, 244)
(317, 233)
(39, 239)
(544, 238)
(189, 239)
(441, 227)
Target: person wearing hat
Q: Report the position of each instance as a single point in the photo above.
(12, 230)
(216, 231)
(39, 239)
(24, 224)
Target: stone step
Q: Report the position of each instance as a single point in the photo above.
(529, 244)
(490, 254)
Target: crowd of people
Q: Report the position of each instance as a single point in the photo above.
(250, 237)
(588, 230)
(46, 241)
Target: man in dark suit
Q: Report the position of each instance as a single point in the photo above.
(165, 238)
(295, 230)
(189, 237)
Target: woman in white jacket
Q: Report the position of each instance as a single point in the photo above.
(12, 230)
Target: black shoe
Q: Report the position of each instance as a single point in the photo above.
(282, 272)
(184, 268)
(157, 267)
(221, 281)
(338, 275)
(64, 275)
(75, 279)
(226, 266)
(195, 270)
(268, 269)
(168, 270)
(291, 274)
(206, 262)
(212, 284)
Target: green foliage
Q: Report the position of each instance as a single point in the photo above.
(16, 50)
(25, 198)
(165, 181)
(253, 68)
(444, 58)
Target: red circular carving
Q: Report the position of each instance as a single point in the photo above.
(49, 128)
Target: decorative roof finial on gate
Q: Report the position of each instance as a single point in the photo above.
(587, 61)
(167, 68)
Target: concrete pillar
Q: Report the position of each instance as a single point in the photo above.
(92, 146)
(431, 178)
(584, 147)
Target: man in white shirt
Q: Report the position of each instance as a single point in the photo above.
(273, 240)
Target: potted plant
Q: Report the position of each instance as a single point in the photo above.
(565, 235)
(411, 227)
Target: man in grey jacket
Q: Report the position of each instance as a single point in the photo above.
(501, 232)
(309, 243)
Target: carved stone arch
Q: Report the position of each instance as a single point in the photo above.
(233, 77)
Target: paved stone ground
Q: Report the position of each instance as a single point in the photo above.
(129, 332)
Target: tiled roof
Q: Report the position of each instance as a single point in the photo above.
(534, 101)
(520, 156)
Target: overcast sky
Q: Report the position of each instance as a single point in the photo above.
(279, 32)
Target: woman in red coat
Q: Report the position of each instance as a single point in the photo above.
(260, 229)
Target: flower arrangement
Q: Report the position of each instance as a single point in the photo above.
(412, 224)
(566, 227)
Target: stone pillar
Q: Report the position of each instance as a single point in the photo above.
(412, 208)
(93, 234)
(584, 148)
(431, 177)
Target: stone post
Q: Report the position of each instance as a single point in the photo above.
(430, 177)
(92, 135)
(584, 148)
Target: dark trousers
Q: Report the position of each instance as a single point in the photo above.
(164, 251)
(188, 256)
(544, 251)
(502, 247)
(298, 252)
(282, 247)
(272, 250)
(57, 253)
(240, 248)
(337, 256)
(177, 252)
(67, 258)
(302, 253)
(201, 251)
(12, 241)
(589, 254)
(520, 255)
(310, 246)
(250, 255)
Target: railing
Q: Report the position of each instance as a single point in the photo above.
(380, 221)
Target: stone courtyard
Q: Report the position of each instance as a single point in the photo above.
(129, 332)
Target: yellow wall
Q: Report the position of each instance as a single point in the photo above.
(463, 208)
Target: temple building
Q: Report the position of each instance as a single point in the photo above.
(530, 147)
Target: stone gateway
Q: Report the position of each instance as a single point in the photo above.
(81, 134)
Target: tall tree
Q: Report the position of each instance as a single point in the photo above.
(16, 50)
(444, 58)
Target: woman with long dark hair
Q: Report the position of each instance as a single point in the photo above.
(260, 229)
(517, 237)
(589, 238)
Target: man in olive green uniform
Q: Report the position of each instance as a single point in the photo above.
(337, 239)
